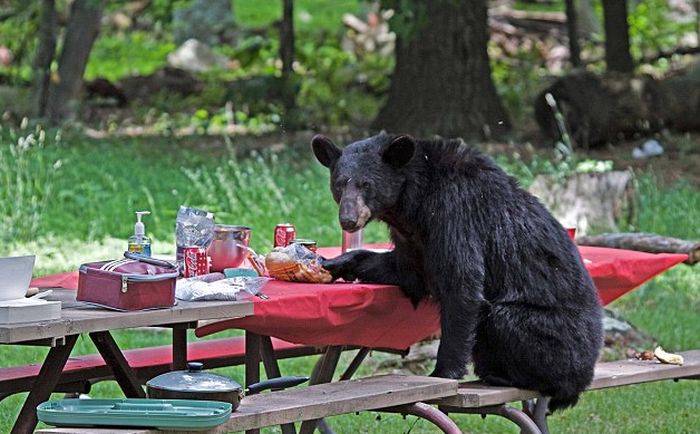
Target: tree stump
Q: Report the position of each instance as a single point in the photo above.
(601, 201)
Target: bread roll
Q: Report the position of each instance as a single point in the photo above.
(296, 263)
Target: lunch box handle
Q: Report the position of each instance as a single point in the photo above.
(149, 260)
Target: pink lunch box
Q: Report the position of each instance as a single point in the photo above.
(132, 283)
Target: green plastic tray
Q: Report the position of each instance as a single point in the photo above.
(135, 412)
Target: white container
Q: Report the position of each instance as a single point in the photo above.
(15, 275)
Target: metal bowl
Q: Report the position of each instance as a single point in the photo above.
(229, 247)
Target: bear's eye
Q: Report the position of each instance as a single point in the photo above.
(364, 185)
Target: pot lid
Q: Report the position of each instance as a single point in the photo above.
(194, 379)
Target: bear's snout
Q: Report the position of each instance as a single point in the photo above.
(348, 224)
(354, 213)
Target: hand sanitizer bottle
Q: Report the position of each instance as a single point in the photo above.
(139, 242)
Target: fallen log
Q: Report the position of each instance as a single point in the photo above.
(644, 242)
(601, 109)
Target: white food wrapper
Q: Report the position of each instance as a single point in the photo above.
(235, 288)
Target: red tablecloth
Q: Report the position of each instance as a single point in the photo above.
(379, 315)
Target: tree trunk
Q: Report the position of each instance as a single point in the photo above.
(588, 23)
(617, 43)
(287, 51)
(44, 55)
(572, 30)
(442, 81)
(81, 31)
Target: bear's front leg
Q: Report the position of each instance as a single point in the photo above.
(458, 281)
(364, 265)
(458, 321)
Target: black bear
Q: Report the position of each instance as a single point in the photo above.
(514, 295)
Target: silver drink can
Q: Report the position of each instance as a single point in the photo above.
(351, 241)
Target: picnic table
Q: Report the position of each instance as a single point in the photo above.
(372, 315)
(376, 316)
(77, 317)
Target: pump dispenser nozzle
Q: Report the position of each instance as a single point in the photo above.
(139, 242)
(139, 228)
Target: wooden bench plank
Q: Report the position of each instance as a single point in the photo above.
(475, 394)
(624, 372)
(314, 402)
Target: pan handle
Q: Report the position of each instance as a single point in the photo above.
(275, 383)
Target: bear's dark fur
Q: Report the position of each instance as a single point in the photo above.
(514, 295)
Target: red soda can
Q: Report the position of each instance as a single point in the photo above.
(284, 233)
(195, 261)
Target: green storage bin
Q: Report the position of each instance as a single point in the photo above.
(171, 414)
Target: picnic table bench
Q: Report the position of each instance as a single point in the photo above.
(409, 394)
(81, 372)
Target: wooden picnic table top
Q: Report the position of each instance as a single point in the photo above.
(80, 317)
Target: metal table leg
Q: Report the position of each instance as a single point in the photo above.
(44, 384)
(429, 413)
(123, 374)
(540, 414)
(520, 418)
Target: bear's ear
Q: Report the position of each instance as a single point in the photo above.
(399, 151)
(325, 150)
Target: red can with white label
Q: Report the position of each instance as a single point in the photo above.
(284, 234)
(195, 261)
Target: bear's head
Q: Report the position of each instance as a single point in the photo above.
(367, 176)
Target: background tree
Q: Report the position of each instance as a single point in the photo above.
(44, 55)
(81, 31)
(442, 80)
(588, 23)
(572, 30)
(287, 51)
(617, 41)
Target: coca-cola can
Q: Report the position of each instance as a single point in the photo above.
(195, 261)
(284, 234)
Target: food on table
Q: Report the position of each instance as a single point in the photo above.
(670, 358)
(296, 263)
(644, 355)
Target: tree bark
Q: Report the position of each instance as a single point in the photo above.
(617, 43)
(287, 51)
(44, 55)
(588, 23)
(644, 242)
(81, 31)
(572, 30)
(442, 80)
